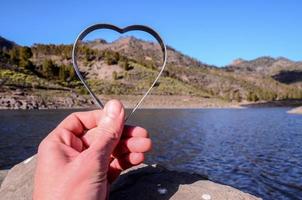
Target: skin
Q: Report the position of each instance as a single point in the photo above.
(86, 152)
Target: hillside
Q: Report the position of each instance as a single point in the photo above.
(6, 44)
(280, 69)
(264, 65)
(128, 66)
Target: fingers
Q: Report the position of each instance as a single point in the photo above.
(128, 160)
(123, 163)
(129, 151)
(134, 131)
(109, 129)
(128, 132)
(68, 138)
(133, 145)
(73, 126)
(78, 122)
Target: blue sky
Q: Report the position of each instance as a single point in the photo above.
(213, 31)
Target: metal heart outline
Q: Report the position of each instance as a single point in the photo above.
(142, 28)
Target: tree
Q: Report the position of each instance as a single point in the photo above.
(63, 73)
(3, 56)
(50, 69)
(114, 75)
(25, 53)
(252, 97)
(125, 65)
(72, 74)
(89, 54)
(26, 64)
(14, 55)
(237, 97)
(111, 57)
(66, 73)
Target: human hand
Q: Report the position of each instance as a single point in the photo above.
(86, 152)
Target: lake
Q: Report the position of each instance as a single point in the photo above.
(256, 150)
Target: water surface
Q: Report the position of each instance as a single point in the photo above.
(255, 150)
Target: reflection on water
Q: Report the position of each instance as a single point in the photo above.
(255, 150)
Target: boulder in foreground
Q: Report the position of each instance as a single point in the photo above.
(141, 182)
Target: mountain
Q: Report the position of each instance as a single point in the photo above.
(264, 65)
(6, 44)
(128, 65)
(139, 49)
(280, 69)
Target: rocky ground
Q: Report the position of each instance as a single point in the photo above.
(3, 174)
(142, 182)
(23, 100)
(19, 99)
(41, 99)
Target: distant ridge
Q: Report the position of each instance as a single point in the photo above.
(6, 44)
(265, 65)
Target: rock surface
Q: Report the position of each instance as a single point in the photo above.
(21, 100)
(3, 174)
(141, 182)
(297, 110)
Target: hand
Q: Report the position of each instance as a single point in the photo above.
(86, 152)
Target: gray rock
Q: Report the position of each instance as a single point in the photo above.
(297, 110)
(155, 182)
(18, 183)
(17, 104)
(141, 182)
(18, 92)
(3, 174)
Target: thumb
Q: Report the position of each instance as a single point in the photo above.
(109, 129)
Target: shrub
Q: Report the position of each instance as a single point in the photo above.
(111, 57)
(49, 68)
(114, 75)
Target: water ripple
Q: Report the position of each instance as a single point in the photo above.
(255, 150)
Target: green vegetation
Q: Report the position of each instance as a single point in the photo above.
(64, 73)
(111, 57)
(114, 75)
(21, 66)
(20, 56)
(49, 66)
(14, 78)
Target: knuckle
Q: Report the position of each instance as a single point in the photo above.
(72, 115)
(45, 146)
(111, 134)
(63, 133)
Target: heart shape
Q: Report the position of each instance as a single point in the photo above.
(94, 27)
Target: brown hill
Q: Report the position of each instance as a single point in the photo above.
(280, 69)
(127, 65)
(6, 44)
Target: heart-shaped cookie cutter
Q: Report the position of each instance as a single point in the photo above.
(94, 27)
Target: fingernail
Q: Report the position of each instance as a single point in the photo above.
(113, 108)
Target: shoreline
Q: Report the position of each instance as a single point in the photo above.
(70, 100)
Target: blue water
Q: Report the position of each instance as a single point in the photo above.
(256, 150)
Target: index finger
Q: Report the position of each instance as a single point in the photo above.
(78, 122)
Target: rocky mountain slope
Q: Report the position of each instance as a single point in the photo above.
(128, 66)
(280, 69)
(6, 44)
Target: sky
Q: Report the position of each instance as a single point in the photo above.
(212, 31)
